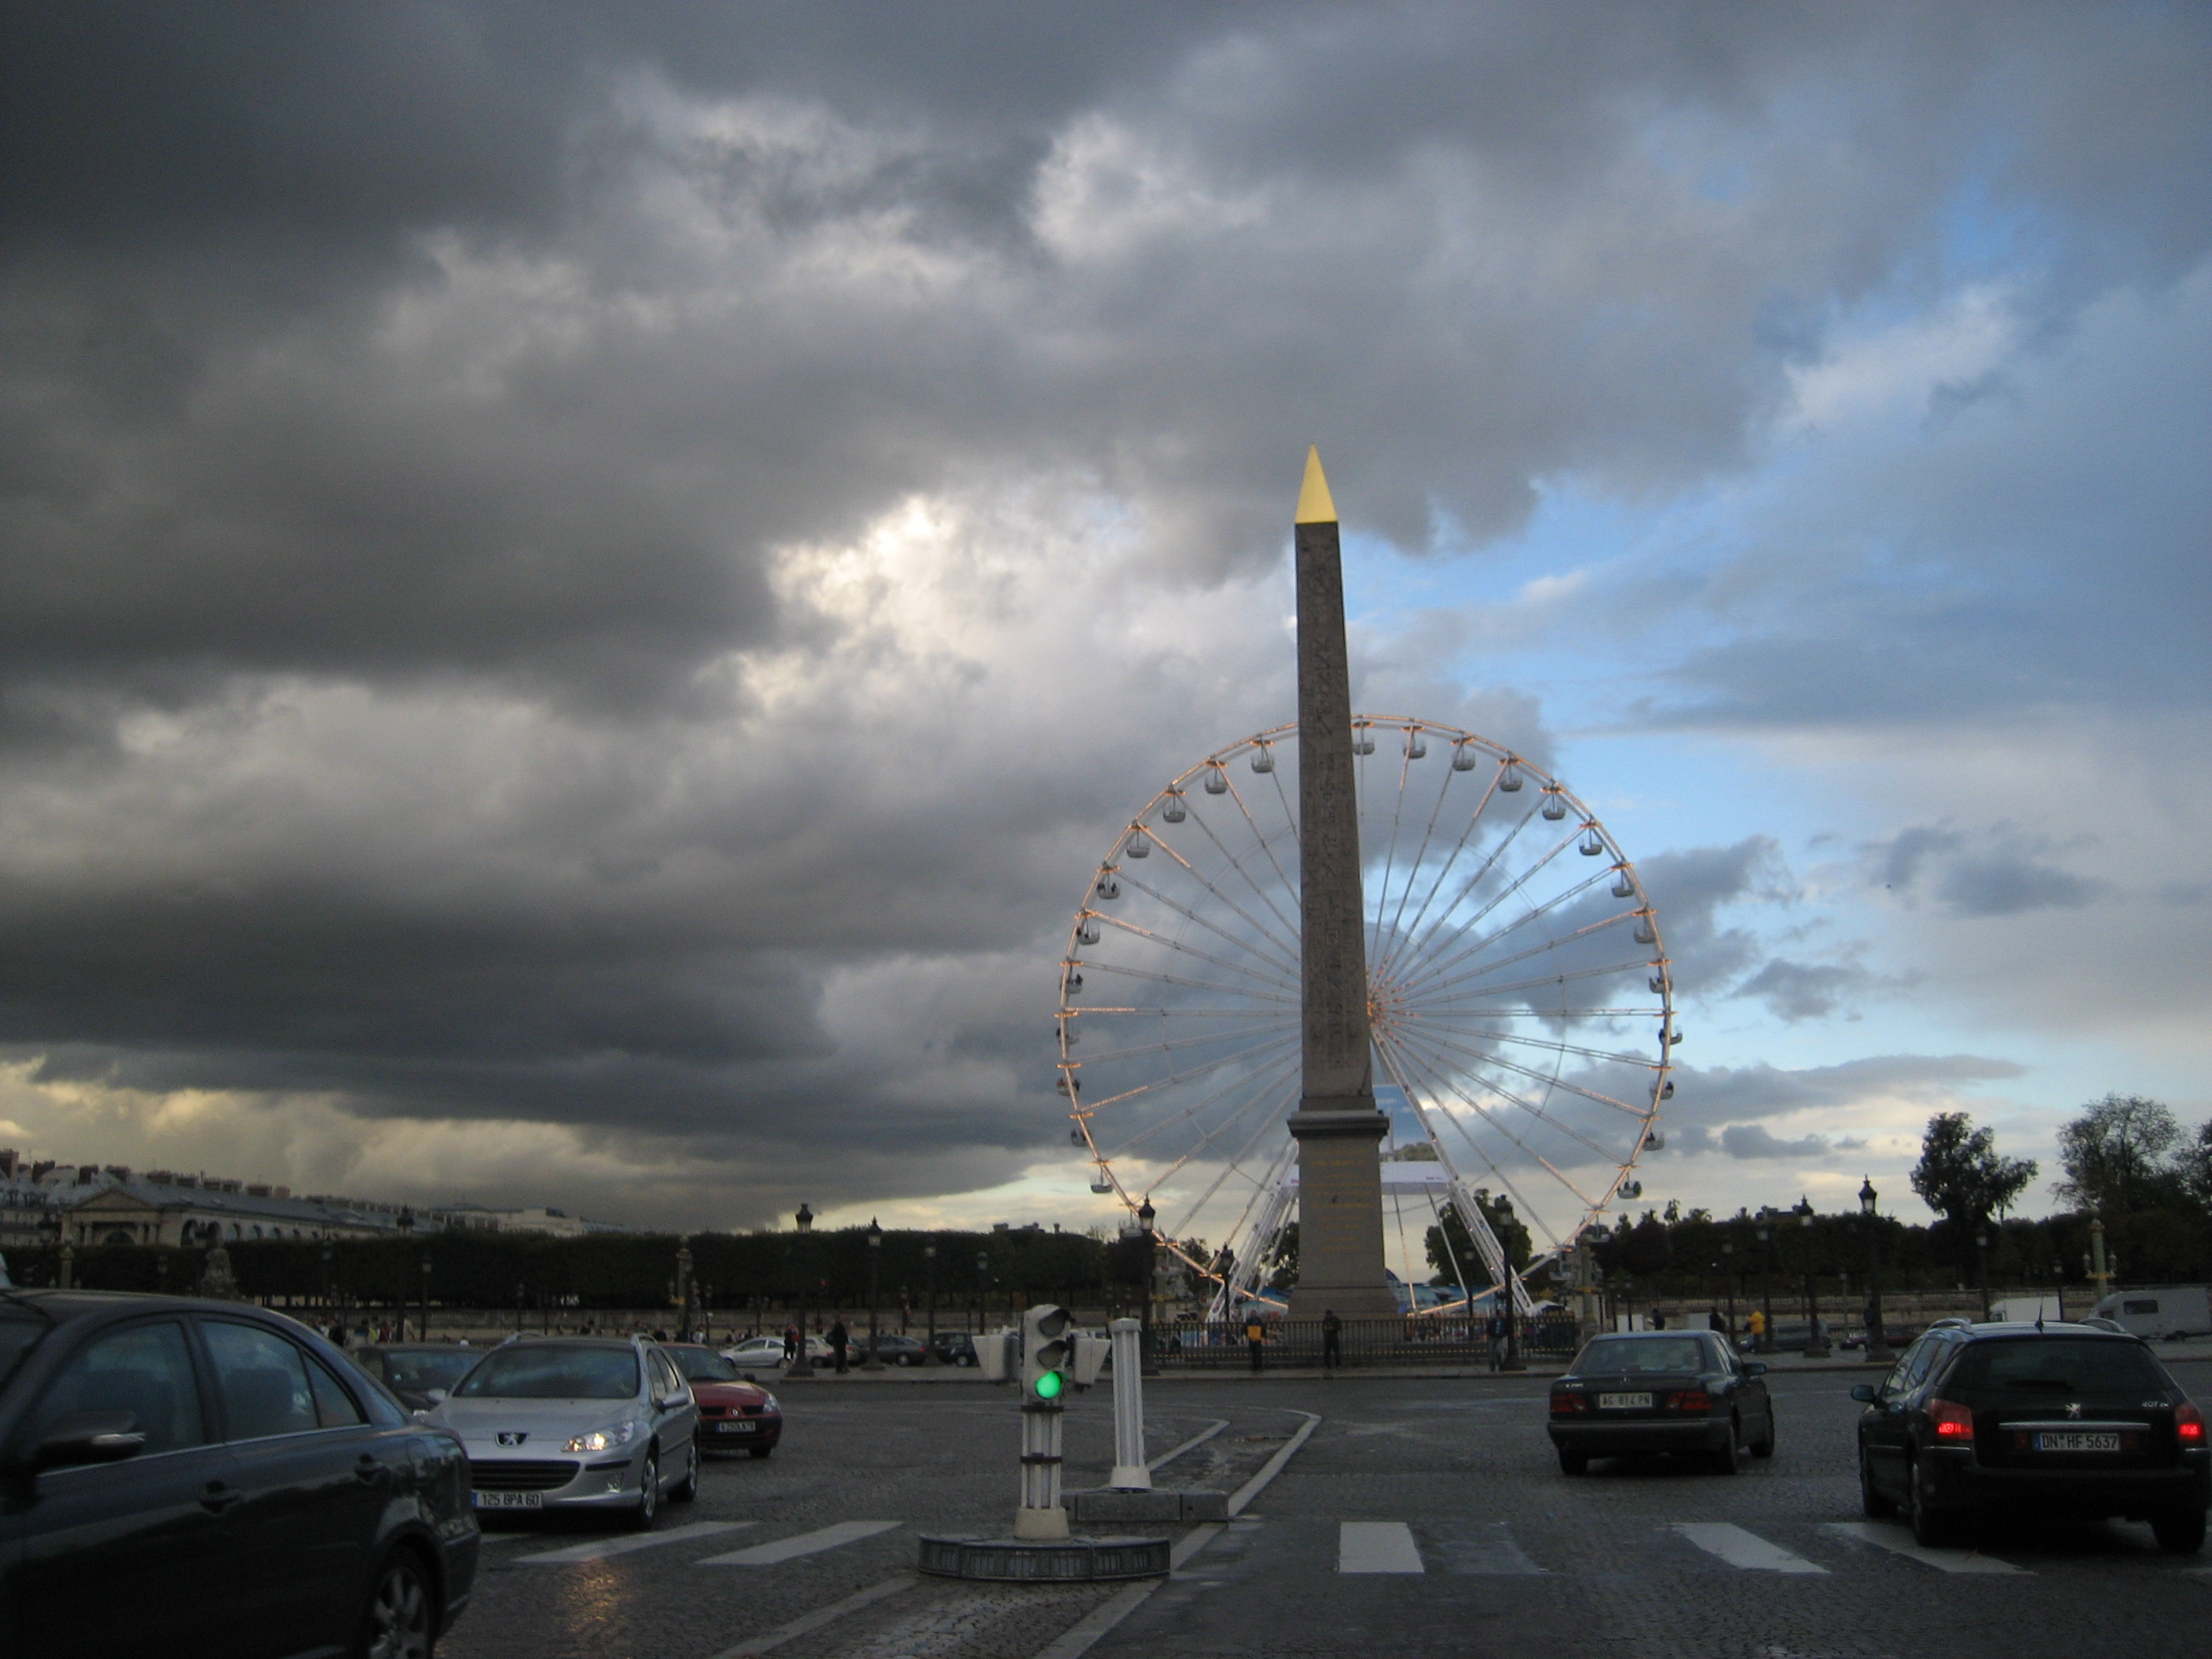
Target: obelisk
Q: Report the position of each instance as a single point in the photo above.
(1337, 1123)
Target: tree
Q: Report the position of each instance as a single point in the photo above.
(2115, 1156)
(1285, 1260)
(2194, 1166)
(1451, 1248)
(1960, 1175)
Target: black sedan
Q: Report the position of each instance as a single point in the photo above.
(420, 1374)
(2054, 1419)
(1642, 1392)
(893, 1349)
(184, 1476)
(955, 1348)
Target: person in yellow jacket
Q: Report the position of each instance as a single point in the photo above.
(1758, 1323)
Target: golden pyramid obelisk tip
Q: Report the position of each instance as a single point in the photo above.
(1314, 505)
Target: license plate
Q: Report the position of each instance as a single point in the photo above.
(736, 1428)
(1624, 1402)
(510, 1500)
(2078, 1440)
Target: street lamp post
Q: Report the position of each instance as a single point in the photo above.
(1877, 1332)
(683, 1292)
(426, 1295)
(874, 1361)
(929, 1258)
(521, 1292)
(1816, 1346)
(1765, 1283)
(982, 1284)
(330, 1297)
(801, 1365)
(406, 1224)
(1982, 1265)
(1727, 1284)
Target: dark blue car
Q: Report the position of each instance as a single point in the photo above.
(181, 1476)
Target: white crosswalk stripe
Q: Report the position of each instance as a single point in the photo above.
(1484, 1550)
(600, 1548)
(1378, 1546)
(805, 1543)
(1889, 1535)
(1739, 1548)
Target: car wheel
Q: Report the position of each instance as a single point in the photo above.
(1573, 1462)
(1931, 1528)
(2179, 1532)
(648, 1496)
(1876, 1506)
(686, 1489)
(1764, 1446)
(1730, 1458)
(397, 1623)
(760, 1451)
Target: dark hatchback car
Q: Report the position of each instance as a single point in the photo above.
(1684, 1392)
(180, 1476)
(954, 1348)
(2056, 1418)
(413, 1370)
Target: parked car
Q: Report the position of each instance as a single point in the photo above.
(892, 1348)
(576, 1422)
(204, 1477)
(955, 1348)
(1684, 1392)
(763, 1353)
(420, 1374)
(2058, 1419)
(735, 1413)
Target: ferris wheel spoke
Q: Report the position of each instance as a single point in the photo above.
(1234, 1166)
(1542, 980)
(1413, 870)
(1553, 1045)
(1173, 1078)
(1481, 1057)
(1407, 932)
(1390, 851)
(1166, 944)
(1444, 1084)
(1156, 978)
(1475, 917)
(1266, 1086)
(1536, 950)
(1541, 1114)
(1481, 874)
(1288, 951)
(1260, 835)
(1177, 1045)
(1270, 1180)
(1289, 925)
(1486, 1242)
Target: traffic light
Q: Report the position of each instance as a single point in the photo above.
(994, 1354)
(1088, 1360)
(1046, 1352)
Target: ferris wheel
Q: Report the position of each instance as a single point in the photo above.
(1520, 996)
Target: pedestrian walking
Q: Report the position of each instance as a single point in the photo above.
(1332, 1340)
(838, 1341)
(790, 1343)
(1256, 1339)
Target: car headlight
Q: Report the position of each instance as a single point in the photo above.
(767, 1403)
(599, 1440)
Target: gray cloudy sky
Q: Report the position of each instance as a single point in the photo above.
(581, 587)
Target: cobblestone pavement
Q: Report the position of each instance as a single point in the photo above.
(1422, 1515)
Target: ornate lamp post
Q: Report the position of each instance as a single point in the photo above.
(330, 1297)
(1766, 1281)
(426, 1295)
(929, 1257)
(521, 1293)
(1727, 1284)
(801, 1365)
(685, 1292)
(982, 1282)
(1816, 1346)
(1982, 1265)
(406, 1224)
(874, 1361)
(1877, 1332)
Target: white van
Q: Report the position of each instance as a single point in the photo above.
(2167, 1311)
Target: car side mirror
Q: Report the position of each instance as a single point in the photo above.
(81, 1437)
(436, 1396)
(748, 1376)
(1863, 1393)
(1754, 1368)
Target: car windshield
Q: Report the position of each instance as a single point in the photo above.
(552, 1373)
(2067, 1366)
(18, 1336)
(1634, 1354)
(423, 1371)
(703, 1365)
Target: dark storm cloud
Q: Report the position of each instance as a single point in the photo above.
(1997, 873)
(418, 425)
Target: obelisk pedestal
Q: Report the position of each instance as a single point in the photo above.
(1337, 1123)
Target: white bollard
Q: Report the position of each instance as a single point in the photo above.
(1130, 1472)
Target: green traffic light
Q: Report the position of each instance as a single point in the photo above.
(1049, 1384)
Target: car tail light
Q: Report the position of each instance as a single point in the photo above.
(1563, 1403)
(2189, 1425)
(1689, 1399)
(1953, 1422)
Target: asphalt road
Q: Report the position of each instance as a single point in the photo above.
(1419, 1517)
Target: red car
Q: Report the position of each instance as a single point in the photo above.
(734, 1414)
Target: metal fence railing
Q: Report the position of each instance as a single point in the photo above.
(1375, 1344)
